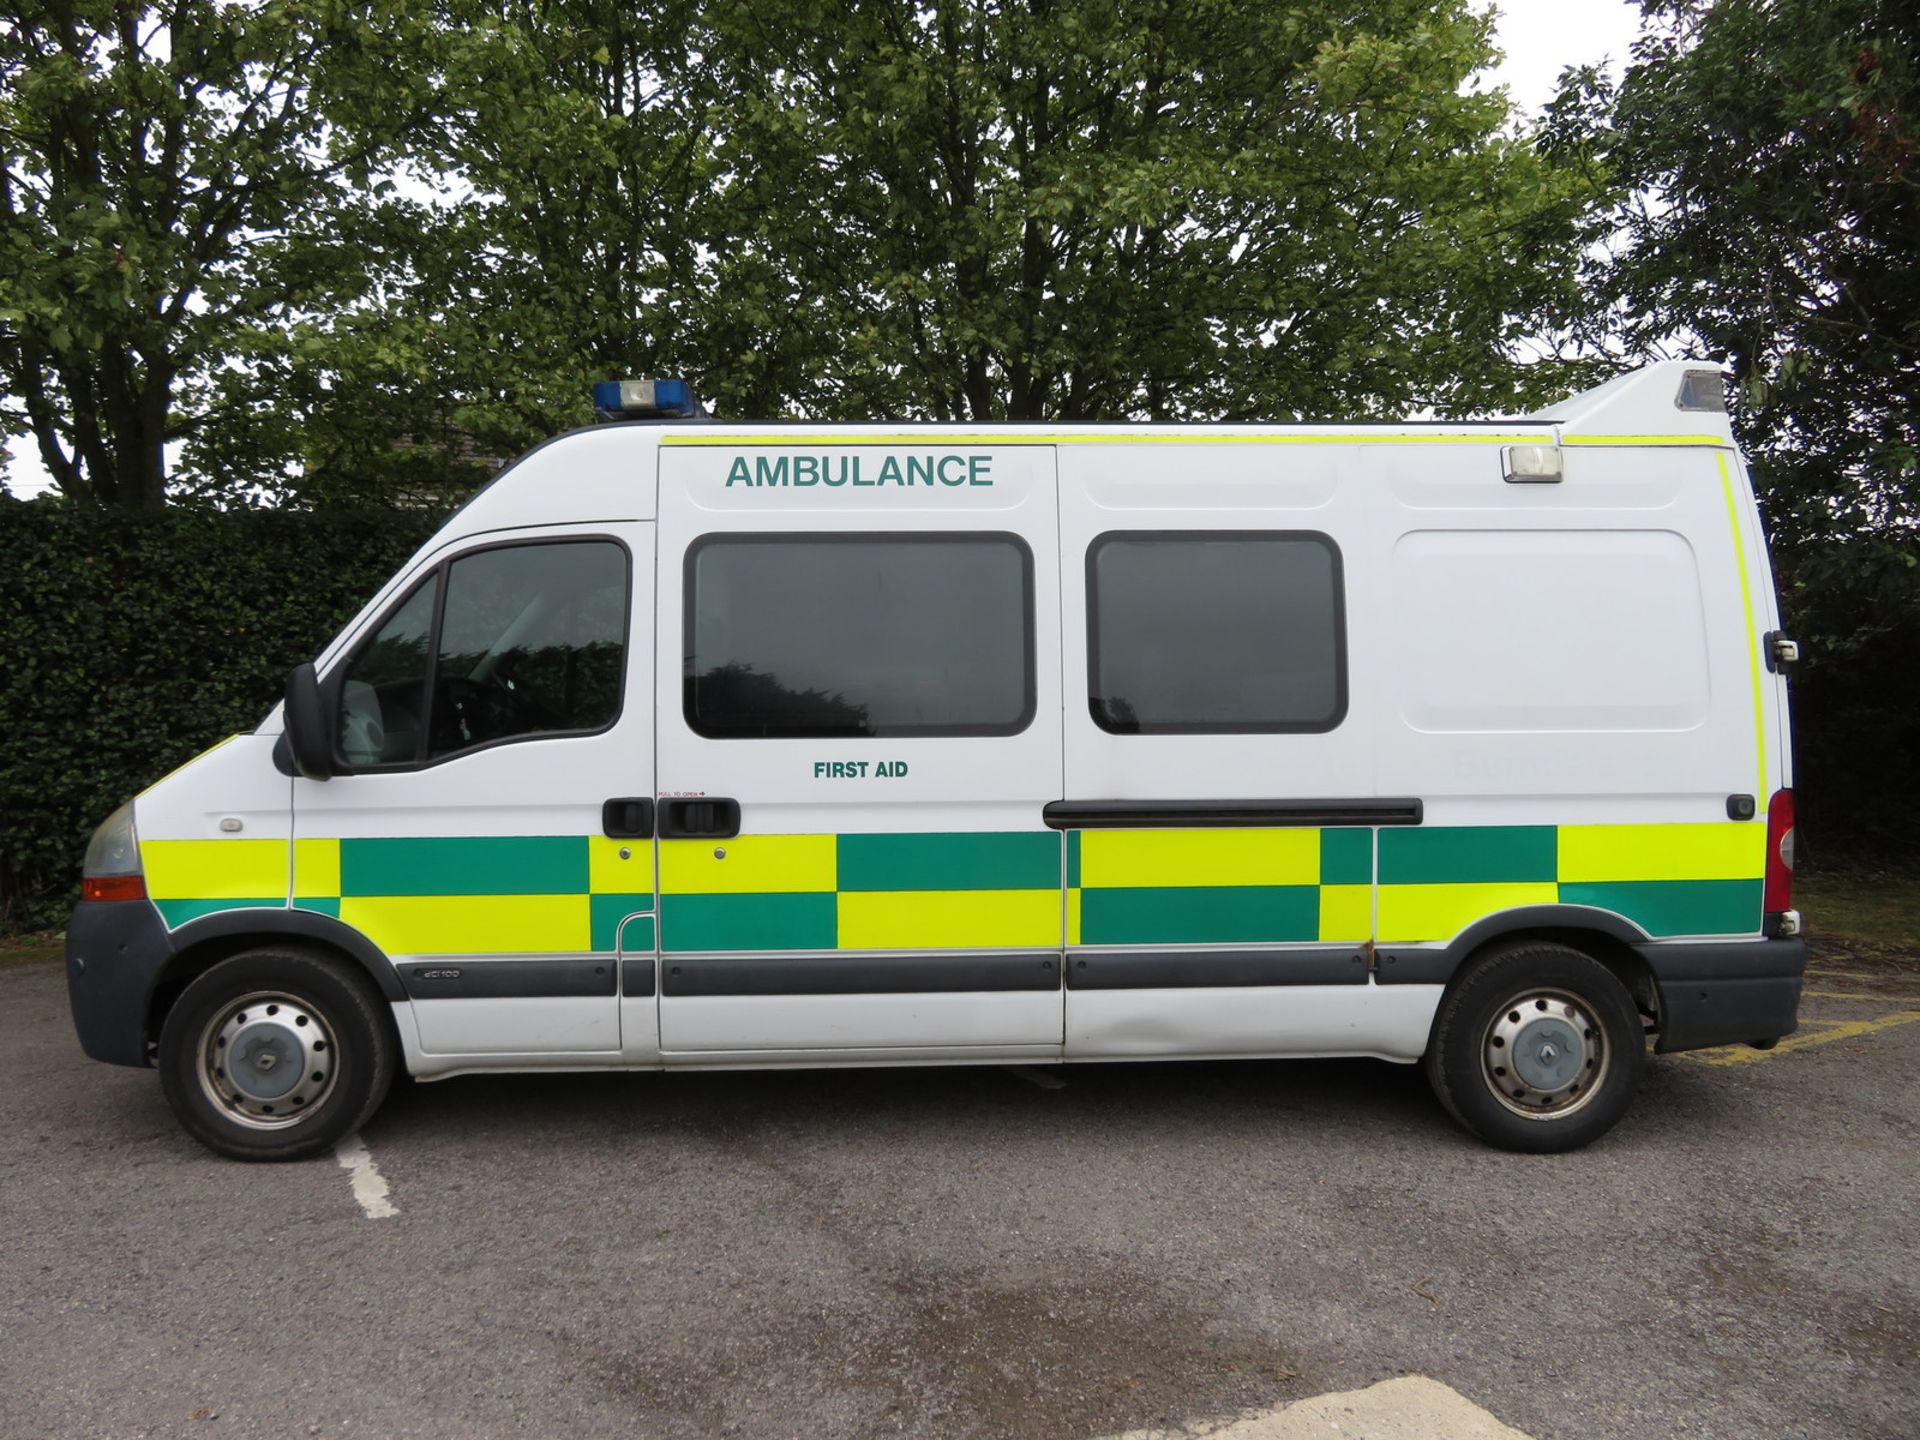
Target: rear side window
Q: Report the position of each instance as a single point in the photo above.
(1215, 633)
(505, 643)
(815, 636)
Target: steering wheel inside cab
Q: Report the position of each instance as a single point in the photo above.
(469, 712)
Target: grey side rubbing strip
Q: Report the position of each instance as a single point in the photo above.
(506, 979)
(1222, 814)
(636, 977)
(1208, 969)
(856, 974)
(1415, 967)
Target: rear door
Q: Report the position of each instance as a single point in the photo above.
(859, 691)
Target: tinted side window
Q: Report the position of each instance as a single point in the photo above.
(1215, 632)
(528, 640)
(845, 635)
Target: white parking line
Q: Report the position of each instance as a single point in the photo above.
(1409, 1408)
(369, 1185)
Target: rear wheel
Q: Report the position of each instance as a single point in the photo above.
(1537, 1047)
(276, 1054)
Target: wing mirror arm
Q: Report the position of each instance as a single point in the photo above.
(309, 736)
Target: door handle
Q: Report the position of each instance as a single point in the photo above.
(627, 819)
(702, 819)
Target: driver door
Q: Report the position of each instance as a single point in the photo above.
(486, 719)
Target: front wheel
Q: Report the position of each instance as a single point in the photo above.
(276, 1054)
(1537, 1047)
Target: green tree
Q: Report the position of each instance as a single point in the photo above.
(1057, 208)
(1078, 208)
(572, 153)
(1772, 150)
(174, 182)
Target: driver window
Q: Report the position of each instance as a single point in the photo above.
(530, 641)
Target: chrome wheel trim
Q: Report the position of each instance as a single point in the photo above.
(266, 1060)
(1544, 1054)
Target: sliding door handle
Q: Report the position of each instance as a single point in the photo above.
(702, 819)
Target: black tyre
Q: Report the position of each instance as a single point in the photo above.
(1537, 1047)
(276, 1054)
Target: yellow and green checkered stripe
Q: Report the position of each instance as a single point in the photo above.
(422, 895)
(477, 895)
(923, 891)
(1003, 889)
(1667, 879)
(191, 878)
(1197, 887)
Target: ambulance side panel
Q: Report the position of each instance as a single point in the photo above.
(1572, 694)
(1220, 634)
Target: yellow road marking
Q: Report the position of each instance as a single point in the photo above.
(1830, 1031)
(1860, 995)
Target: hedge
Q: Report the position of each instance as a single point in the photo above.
(133, 643)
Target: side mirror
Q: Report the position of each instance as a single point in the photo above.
(309, 737)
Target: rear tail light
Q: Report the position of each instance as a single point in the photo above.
(1778, 895)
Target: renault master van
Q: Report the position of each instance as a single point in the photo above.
(694, 745)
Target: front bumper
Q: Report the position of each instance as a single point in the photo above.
(1729, 994)
(116, 950)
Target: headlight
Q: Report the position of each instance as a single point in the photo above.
(112, 870)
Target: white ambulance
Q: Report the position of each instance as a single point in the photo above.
(703, 745)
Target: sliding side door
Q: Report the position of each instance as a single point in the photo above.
(1220, 804)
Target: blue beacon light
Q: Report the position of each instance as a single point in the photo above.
(645, 400)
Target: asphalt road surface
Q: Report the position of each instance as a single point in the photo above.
(970, 1253)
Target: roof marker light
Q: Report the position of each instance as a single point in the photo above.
(1702, 390)
(645, 400)
(1531, 464)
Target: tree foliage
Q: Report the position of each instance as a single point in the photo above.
(174, 182)
(891, 208)
(1772, 149)
(1060, 208)
(1077, 208)
(571, 147)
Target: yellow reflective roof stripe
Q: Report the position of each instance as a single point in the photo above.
(1712, 441)
(794, 441)
(1753, 636)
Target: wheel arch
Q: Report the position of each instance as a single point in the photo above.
(201, 944)
(1606, 936)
